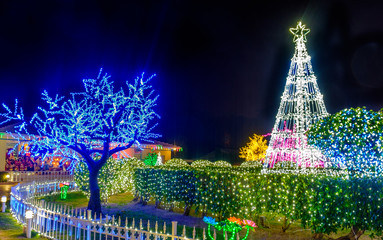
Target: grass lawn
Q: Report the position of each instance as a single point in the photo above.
(79, 200)
(11, 230)
(74, 199)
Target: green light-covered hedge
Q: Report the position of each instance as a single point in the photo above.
(166, 184)
(324, 203)
(116, 176)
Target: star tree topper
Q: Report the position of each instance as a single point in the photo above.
(300, 32)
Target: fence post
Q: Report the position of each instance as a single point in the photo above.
(89, 224)
(29, 216)
(174, 230)
(89, 214)
(88, 230)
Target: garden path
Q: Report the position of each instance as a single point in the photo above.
(157, 214)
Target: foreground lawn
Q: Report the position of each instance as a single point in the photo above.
(11, 230)
(79, 200)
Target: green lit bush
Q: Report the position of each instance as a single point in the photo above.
(201, 163)
(116, 176)
(177, 162)
(352, 139)
(166, 184)
(222, 163)
(320, 200)
(256, 164)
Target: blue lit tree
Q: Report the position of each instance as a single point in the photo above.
(89, 126)
(352, 139)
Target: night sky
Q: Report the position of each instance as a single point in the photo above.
(221, 66)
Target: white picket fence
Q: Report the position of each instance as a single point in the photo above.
(61, 222)
(30, 176)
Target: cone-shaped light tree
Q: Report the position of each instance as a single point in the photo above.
(301, 105)
(89, 126)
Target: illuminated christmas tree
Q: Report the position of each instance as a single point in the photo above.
(255, 149)
(159, 160)
(302, 105)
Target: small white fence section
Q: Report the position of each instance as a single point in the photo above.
(61, 222)
(30, 176)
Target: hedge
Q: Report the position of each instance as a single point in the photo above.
(322, 202)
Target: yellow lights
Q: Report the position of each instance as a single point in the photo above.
(300, 32)
(255, 149)
(4, 199)
(26, 148)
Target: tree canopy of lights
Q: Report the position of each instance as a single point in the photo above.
(301, 105)
(90, 126)
(352, 139)
(255, 149)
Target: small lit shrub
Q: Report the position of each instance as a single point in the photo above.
(221, 164)
(201, 163)
(256, 164)
(177, 162)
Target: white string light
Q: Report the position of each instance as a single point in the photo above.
(301, 105)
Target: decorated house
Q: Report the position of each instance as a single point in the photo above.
(14, 161)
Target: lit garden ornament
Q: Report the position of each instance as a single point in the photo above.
(159, 160)
(301, 105)
(64, 190)
(3, 201)
(231, 225)
(29, 216)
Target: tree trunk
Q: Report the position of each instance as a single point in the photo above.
(136, 196)
(94, 200)
(171, 207)
(158, 203)
(354, 234)
(204, 212)
(262, 220)
(317, 236)
(187, 209)
(143, 200)
(286, 224)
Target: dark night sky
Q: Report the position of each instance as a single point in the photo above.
(221, 67)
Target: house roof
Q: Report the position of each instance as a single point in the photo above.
(160, 145)
(10, 128)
